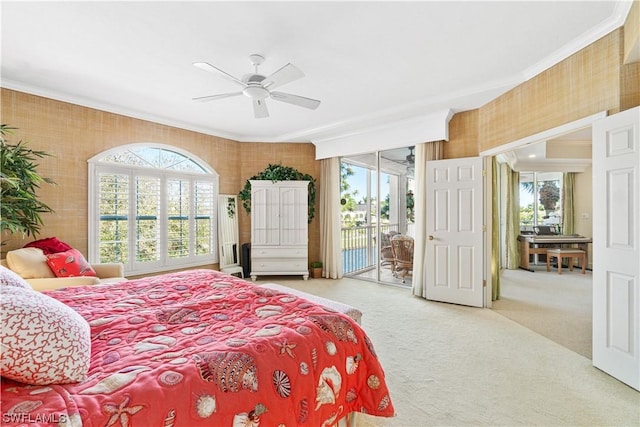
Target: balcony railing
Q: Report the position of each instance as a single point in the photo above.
(360, 247)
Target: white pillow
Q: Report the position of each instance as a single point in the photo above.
(9, 278)
(43, 341)
(29, 263)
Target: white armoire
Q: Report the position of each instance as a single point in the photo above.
(279, 228)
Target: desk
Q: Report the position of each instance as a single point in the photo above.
(529, 244)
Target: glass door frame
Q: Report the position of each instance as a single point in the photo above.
(397, 188)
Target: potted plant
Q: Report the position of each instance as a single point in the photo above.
(19, 180)
(316, 269)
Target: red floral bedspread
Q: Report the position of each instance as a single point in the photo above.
(204, 348)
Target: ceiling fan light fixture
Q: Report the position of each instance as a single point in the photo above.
(255, 92)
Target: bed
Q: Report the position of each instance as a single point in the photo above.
(205, 348)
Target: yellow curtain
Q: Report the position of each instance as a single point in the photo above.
(568, 212)
(513, 218)
(424, 153)
(495, 235)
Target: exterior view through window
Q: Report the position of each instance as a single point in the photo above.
(152, 208)
(540, 201)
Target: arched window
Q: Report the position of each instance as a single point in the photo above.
(152, 208)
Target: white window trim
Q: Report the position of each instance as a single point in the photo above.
(164, 264)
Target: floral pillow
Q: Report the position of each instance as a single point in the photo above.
(43, 341)
(69, 263)
(9, 278)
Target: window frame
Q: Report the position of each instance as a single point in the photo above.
(538, 177)
(164, 262)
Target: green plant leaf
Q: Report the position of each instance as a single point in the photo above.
(20, 209)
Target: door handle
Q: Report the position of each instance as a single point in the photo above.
(430, 237)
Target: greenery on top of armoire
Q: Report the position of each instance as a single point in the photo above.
(280, 173)
(20, 208)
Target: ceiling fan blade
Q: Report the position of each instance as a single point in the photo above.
(214, 97)
(300, 101)
(284, 75)
(260, 109)
(208, 67)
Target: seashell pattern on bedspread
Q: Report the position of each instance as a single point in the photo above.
(201, 347)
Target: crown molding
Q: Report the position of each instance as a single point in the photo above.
(111, 108)
(615, 21)
(551, 166)
(453, 102)
(545, 165)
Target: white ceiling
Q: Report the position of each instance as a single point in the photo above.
(368, 62)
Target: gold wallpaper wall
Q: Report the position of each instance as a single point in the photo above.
(72, 134)
(586, 83)
(632, 31)
(463, 136)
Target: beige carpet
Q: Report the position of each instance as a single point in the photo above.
(555, 306)
(449, 365)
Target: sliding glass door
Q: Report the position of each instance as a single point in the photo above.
(377, 205)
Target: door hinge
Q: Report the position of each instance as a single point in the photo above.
(484, 172)
(484, 228)
(484, 283)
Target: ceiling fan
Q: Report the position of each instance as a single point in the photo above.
(411, 157)
(411, 161)
(259, 88)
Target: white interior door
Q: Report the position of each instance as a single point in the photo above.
(455, 230)
(616, 252)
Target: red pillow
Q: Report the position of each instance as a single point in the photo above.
(50, 245)
(69, 263)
